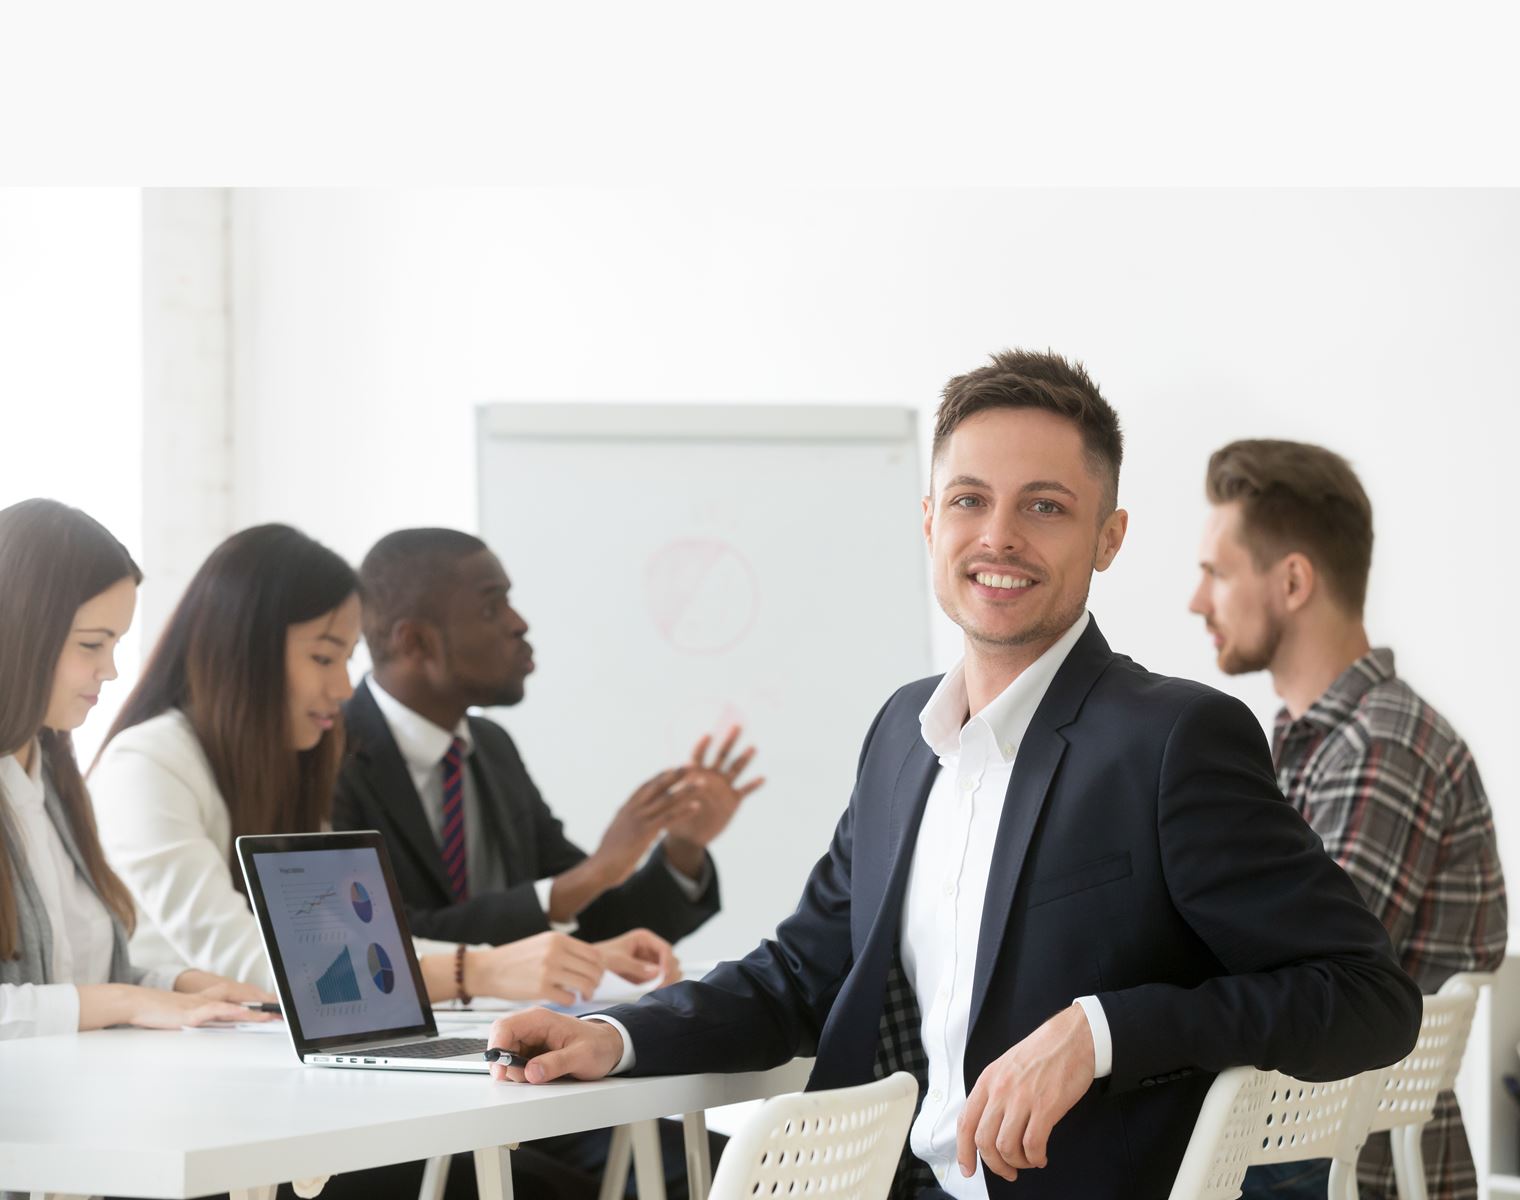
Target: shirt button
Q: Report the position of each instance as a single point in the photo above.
(942, 1172)
(935, 1094)
(949, 889)
(1007, 749)
(968, 785)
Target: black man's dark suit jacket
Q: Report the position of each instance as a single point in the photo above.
(375, 791)
(1144, 856)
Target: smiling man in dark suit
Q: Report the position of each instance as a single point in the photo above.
(479, 856)
(1066, 891)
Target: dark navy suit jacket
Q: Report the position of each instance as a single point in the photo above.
(375, 791)
(1145, 855)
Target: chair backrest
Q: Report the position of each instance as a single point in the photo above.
(841, 1144)
(1252, 1117)
(1410, 1086)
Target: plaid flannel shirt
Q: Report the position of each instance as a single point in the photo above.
(1395, 795)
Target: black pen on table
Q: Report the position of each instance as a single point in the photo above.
(505, 1058)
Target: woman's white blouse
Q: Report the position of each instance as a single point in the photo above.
(167, 833)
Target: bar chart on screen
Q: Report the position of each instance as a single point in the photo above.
(338, 984)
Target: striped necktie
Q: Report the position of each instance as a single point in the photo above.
(453, 820)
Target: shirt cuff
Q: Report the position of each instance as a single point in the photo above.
(1103, 1042)
(162, 978)
(626, 1062)
(542, 889)
(693, 889)
(55, 1009)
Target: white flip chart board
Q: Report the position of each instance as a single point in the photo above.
(684, 567)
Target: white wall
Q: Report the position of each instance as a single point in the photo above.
(71, 370)
(187, 477)
(369, 325)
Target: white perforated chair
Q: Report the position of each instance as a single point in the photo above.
(842, 1144)
(1407, 1098)
(1253, 1118)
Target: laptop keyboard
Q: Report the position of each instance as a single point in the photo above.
(435, 1048)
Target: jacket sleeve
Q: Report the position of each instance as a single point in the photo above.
(490, 919)
(771, 1005)
(757, 1012)
(1311, 984)
(156, 837)
(651, 899)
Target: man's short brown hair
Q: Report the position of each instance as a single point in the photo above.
(1298, 497)
(1029, 379)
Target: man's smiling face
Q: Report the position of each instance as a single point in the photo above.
(1016, 527)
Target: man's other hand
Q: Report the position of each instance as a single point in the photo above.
(556, 1046)
(644, 816)
(546, 966)
(1020, 1097)
(640, 956)
(716, 791)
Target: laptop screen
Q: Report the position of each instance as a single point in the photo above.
(338, 945)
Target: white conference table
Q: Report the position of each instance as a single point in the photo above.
(131, 1112)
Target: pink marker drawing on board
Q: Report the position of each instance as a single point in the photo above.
(702, 595)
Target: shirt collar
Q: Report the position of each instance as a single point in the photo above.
(1338, 701)
(422, 744)
(1008, 715)
(23, 787)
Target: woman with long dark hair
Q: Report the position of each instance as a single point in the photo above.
(68, 590)
(235, 727)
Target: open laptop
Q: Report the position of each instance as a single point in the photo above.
(342, 956)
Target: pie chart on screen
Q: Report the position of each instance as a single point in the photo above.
(380, 969)
(364, 907)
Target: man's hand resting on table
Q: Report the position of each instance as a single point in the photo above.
(556, 1046)
(1019, 1098)
(640, 956)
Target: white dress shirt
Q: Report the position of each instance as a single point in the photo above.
(947, 884)
(82, 930)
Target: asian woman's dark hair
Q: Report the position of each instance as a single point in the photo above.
(53, 559)
(221, 660)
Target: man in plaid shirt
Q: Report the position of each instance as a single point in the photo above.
(1375, 770)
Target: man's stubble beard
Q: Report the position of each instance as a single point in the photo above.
(1048, 630)
(1248, 660)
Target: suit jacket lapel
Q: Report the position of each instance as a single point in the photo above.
(1039, 756)
(854, 1047)
(1034, 770)
(910, 795)
(386, 775)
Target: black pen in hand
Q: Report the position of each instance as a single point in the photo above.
(261, 1006)
(505, 1058)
